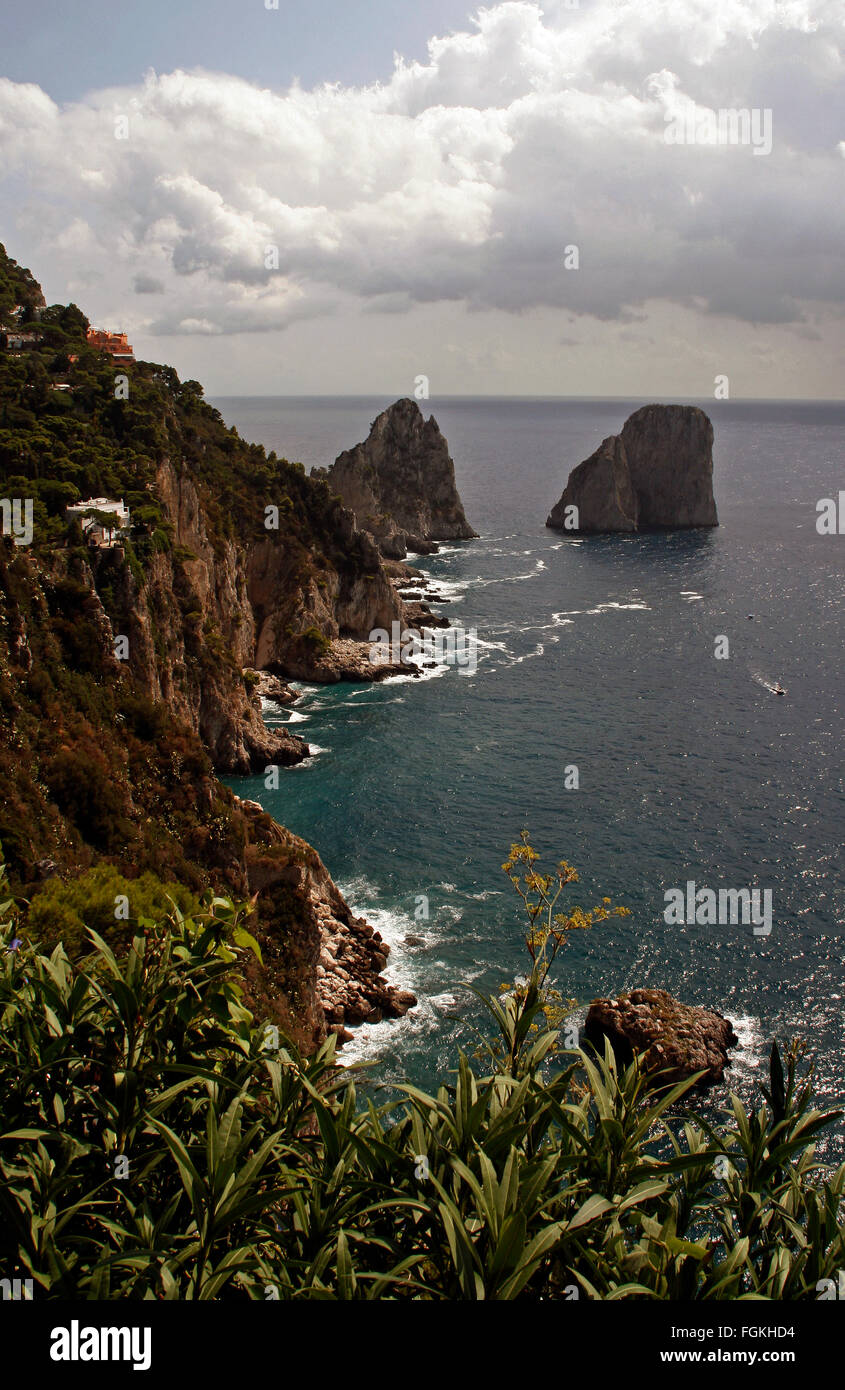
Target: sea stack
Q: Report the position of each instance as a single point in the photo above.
(657, 474)
(400, 483)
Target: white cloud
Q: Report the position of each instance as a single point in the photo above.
(459, 179)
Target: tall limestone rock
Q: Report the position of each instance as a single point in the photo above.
(400, 483)
(656, 474)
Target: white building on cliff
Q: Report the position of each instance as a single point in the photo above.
(95, 531)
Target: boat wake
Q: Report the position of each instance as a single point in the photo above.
(774, 687)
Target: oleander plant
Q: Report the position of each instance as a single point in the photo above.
(158, 1142)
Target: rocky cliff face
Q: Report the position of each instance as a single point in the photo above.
(105, 759)
(191, 632)
(208, 613)
(314, 623)
(212, 608)
(400, 484)
(126, 672)
(656, 474)
(322, 966)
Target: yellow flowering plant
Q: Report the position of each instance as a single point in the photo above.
(533, 1009)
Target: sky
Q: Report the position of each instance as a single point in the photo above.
(342, 197)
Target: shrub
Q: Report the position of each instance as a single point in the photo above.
(83, 789)
(315, 639)
(193, 1154)
(147, 719)
(61, 911)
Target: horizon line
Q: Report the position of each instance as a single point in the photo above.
(489, 396)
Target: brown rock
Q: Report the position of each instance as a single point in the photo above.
(656, 474)
(680, 1038)
(400, 483)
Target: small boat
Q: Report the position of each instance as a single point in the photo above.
(778, 690)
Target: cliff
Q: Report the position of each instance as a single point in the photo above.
(656, 474)
(400, 484)
(127, 670)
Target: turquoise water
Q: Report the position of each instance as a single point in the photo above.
(597, 652)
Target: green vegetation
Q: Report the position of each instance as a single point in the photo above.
(155, 1143)
(17, 286)
(160, 1139)
(62, 911)
(548, 931)
(60, 446)
(315, 639)
(90, 765)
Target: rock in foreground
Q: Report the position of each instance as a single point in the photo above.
(656, 474)
(400, 483)
(680, 1038)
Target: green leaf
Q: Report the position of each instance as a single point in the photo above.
(592, 1209)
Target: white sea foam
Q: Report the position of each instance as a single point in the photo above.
(359, 888)
(430, 674)
(369, 1040)
(451, 589)
(273, 707)
(539, 650)
(511, 578)
(408, 967)
(446, 998)
(603, 608)
(314, 751)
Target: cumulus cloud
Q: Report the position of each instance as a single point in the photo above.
(463, 178)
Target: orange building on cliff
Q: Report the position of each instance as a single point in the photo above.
(115, 343)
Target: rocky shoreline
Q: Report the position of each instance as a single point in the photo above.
(343, 968)
(311, 624)
(325, 970)
(349, 984)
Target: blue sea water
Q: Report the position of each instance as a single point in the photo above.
(597, 652)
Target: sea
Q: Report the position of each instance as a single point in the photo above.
(622, 707)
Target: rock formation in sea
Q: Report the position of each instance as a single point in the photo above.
(656, 474)
(400, 484)
(681, 1039)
